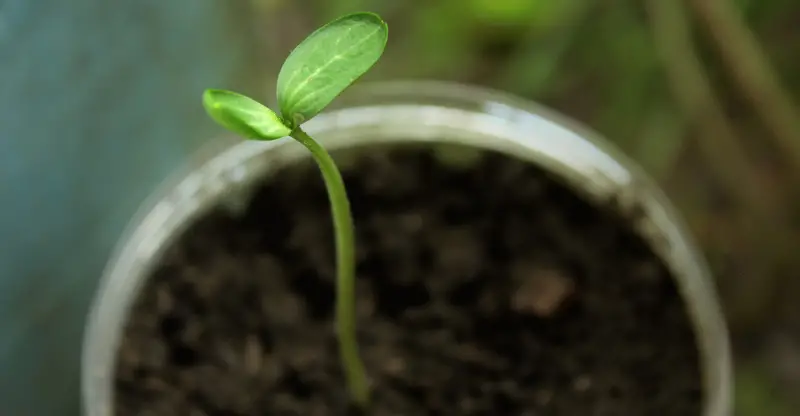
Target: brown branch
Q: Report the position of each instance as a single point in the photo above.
(727, 160)
(761, 211)
(751, 69)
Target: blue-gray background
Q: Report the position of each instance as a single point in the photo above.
(99, 100)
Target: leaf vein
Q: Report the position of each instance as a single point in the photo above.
(327, 64)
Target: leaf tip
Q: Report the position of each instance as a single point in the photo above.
(212, 100)
(372, 18)
(243, 115)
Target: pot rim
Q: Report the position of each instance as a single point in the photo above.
(444, 113)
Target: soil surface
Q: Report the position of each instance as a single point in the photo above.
(488, 291)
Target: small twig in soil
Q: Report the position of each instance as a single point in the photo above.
(541, 292)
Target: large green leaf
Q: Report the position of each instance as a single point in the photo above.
(243, 115)
(327, 62)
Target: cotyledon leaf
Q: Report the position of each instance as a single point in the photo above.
(244, 115)
(327, 62)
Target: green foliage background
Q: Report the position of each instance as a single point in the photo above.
(705, 103)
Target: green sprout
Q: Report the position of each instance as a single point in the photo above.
(315, 73)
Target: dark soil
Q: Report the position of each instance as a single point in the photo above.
(490, 291)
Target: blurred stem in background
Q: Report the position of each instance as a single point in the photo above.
(748, 64)
(760, 210)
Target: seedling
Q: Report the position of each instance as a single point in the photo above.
(315, 73)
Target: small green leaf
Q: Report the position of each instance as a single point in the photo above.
(327, 62)
(243, 115)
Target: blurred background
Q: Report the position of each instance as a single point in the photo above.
(100, 101)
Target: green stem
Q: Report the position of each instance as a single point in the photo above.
(345, 269)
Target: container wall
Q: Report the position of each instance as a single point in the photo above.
(99, 101)
(445, 114)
